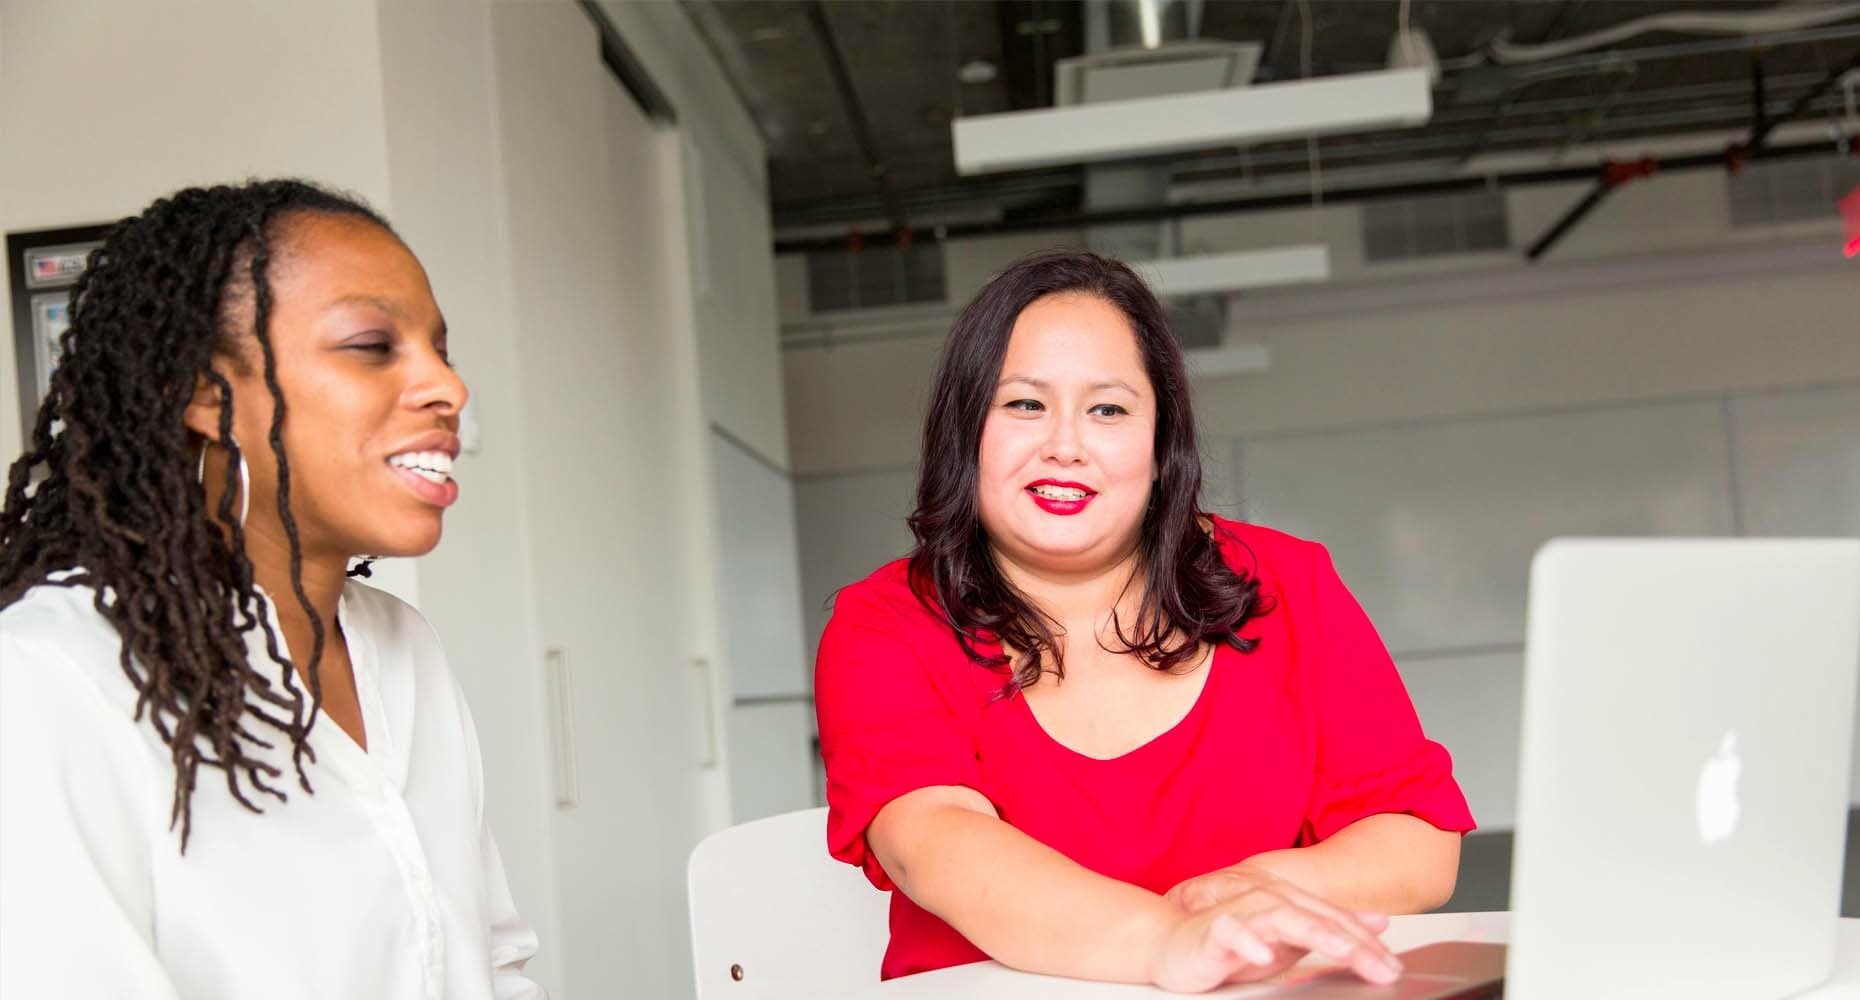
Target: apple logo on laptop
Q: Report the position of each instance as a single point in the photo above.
(1718, 808)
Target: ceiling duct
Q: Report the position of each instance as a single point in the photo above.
(1137, 49)
(1147, 23)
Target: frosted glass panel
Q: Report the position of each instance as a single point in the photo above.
(758, 575)
(771, 759)
(1798, 468)
(1433, 524)
(1798, 461)
(1473, 706)
(850, 524)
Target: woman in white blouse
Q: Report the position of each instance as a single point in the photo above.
(225, 769)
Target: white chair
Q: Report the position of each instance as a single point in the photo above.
(773, 916)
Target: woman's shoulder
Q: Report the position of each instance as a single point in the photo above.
(58, 601)
(403, 640)
(74, 743)
(55, 628)
(883, 644)
(388, 618)
(1265, 553)
(61, 672)
(882, 618)
(883, 599)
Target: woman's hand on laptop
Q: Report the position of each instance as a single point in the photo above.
(1259, 927)
(1218, 886)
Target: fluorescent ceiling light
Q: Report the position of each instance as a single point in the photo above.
(1147, 126)
(1232, 272)
(1240, 359)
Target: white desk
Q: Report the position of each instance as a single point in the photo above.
(989, 979)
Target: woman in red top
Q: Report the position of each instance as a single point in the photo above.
(1087, 730)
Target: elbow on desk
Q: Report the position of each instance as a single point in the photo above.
(1437, 878)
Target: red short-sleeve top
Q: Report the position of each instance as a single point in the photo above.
(1286, 745)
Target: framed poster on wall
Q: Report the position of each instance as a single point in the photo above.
(42, 266)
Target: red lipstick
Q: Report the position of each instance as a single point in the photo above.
(1063, 506)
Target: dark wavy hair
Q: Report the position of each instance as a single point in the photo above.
(1189, 594)
(106, 487)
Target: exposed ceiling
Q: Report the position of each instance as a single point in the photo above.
(854, 97)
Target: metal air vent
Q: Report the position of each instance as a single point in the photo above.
(1435, 225)
(1783, 191)
(875, 277)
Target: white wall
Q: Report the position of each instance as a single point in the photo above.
(733, 276)
(1433, 422)
(220, 91)
(447, 185)
(644, 305)
(594, 201)
(746, 563)
(769, 721)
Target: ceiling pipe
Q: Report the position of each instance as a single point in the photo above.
(1616, 130)
(999, 194)
(1615, 174)
(1057, 181)
(1122, 24)
(1419, 147)
(1029, 195)
(1764, 125)
(1509, 98)
(1159, 213)
(1592, 119)
(1672, 50)
(856, 116)
(1150, 24)
(1281, 30)
(1782, 17)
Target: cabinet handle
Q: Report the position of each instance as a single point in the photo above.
(562, 728)
(707, 707)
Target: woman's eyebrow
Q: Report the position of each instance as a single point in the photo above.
(376, 301)
(1116, 383)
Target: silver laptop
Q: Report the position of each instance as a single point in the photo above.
(1683, 789)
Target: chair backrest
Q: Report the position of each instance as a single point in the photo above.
(773, 916)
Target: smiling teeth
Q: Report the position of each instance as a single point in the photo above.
(1059, 492)
(432, 466)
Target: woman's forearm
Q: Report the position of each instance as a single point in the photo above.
(1384, 864)
(1024, 904)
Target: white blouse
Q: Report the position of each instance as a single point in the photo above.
(385, 883)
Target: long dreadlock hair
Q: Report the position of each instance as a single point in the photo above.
(117, 508)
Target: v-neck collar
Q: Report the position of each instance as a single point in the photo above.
(334, 747)
(1212, 668)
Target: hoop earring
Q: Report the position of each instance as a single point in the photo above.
(245, 476)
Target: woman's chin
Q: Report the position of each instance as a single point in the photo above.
(1070, 555)
(1074, 540)
(409, 544)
